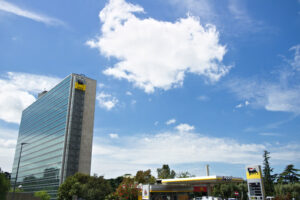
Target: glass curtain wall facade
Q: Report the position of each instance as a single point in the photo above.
(52, 128)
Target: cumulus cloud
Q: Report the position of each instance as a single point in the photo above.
(171, 121)
(18, 90)
(113, 135)
(184, 128)
(11, 8)
(177, 148)
(157, 54)
(8, 141)
(106, 101)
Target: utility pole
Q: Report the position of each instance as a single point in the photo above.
(13, 196)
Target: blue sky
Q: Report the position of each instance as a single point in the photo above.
(180, 82)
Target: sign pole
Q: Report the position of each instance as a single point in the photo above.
(255, 182)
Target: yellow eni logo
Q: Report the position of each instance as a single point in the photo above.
(253, 173)
(80, 86)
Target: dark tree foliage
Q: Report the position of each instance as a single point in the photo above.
(144, 177)
(185, 175)
(267, 177)
(227, 190)
(4, 185)
(85, 187)
(115, 182)
(289, 175)
(165, 172)
(127, 190)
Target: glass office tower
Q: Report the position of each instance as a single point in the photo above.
(57, 133)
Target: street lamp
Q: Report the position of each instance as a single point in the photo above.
(13, 196)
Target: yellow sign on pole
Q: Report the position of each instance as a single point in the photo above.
(253, 172)
(255, 182)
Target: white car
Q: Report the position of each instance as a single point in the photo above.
(211, 198)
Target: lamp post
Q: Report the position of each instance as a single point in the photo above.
(13, 196)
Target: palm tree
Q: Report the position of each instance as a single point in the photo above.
(289, 175)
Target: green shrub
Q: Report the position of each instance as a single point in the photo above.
(43, 195)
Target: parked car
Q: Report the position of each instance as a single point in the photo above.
(211, 198)
(269, 198)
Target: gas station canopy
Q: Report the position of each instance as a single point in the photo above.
(178, 188)
(200, 180)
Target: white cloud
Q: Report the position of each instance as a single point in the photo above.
(202, 8)
(128, 93)
(296, 61)
(184, 128)
(238, 11)
(242, 104)
(145, 151)
(101, 85)
(270, 134)
(156, 123)
(8, 141)
(18, 91)
(113, 135)
(11, 8)
(203, 98)
(106, 101)
(271, 96)
(171, 121)
(242, 19)
(247, 103)
(239, 106)
(157, 54)
(279, 95)
(133, 102)
(231, 17)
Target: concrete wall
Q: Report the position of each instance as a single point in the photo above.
(85, 155)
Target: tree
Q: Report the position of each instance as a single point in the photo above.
(289, 175)
(4, 185)
(165, 172)
(287, 191)
(127, 190)
(144, 177)
(84, 186)
(43, 195)
(185, 175)
(17, 189)
(115, 182)
(227, 190)
(267, 177)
